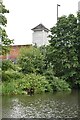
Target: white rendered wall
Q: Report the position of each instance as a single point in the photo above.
(79, 6)
(40, 38)
(45, 38)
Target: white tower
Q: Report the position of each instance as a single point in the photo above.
(79, 6)
(40, 35)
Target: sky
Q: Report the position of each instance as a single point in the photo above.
(27, 14)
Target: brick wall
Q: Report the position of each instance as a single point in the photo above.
(14, 52)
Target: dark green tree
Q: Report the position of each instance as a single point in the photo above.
(63, 53)
(5, 41)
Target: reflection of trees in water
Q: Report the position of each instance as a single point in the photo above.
(41, 105)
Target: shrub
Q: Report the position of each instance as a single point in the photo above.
(11, 74)
(38, 82)
(31, 60)
(8, 88)
(7, 64)
(60, 85)
(0, 87)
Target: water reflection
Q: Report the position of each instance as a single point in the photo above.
(59, 105)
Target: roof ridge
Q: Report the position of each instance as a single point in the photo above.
(40, 27)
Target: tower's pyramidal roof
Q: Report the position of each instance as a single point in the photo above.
(40, 27)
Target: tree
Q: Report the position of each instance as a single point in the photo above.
(5, 41)
(64, 50)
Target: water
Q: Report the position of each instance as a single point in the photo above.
(58, 105)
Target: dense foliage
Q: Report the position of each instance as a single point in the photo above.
(16, 81)
(31, 60)
(23, 85)
(63, 53)
(55, 67)
(5, 41)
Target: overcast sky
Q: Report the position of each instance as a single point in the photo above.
(26, 14)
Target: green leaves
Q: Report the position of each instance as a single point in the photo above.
(38, 82)
(3, 10)
(5, 41)
(7, 64)
(31, 60)
(64, 49)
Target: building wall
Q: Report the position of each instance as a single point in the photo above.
(79, 6)
(45, 38)
(40, 38)
(14, 52)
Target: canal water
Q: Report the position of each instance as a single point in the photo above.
(58, 105)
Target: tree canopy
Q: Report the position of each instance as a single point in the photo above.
(63, 53)
(5, 41)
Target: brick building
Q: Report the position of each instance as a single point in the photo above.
(14, 52)
(40, 37)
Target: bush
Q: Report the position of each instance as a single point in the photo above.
(56, 83)
(31, 60)
(60, 85)
(7, 64)
(8, 88)
(11, 74)
(11, 88)
(0, 87)
(37, 82)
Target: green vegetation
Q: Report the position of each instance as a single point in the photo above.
(17, 80)
(31, 61)
(4, 37)
(63, 53)
(38, 83)
(55, 67)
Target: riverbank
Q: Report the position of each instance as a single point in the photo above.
(33, 74)
(33, 84)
